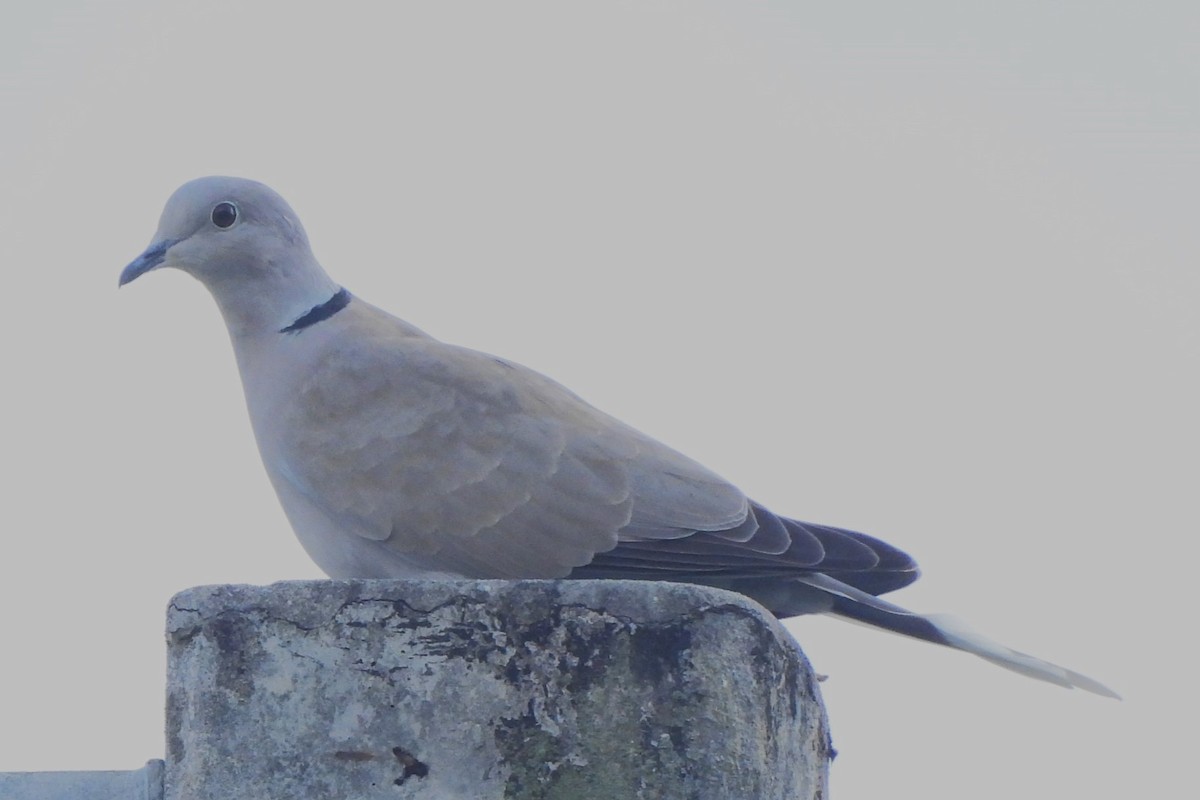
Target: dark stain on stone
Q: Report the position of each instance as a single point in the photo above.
(236, 639)
(512, 671)
(413, 767)
(227, 634)
(589, 653)
(585, 648)
(374, 672)
(678, 740)
(652, 732)
(405, 617)
(530, 751)
(176, 714)
(659, 650)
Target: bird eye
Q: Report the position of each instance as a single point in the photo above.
(224, 214)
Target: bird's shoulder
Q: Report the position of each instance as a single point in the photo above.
(380, 357)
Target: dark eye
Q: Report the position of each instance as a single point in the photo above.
(224, 214)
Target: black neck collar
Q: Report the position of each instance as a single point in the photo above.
(316, 314)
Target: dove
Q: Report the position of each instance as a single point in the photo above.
(394, 454)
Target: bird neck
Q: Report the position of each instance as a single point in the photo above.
(289, 298)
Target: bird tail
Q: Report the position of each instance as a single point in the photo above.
(858, 606)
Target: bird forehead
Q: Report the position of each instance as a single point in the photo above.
(196, 198)
(190, 208)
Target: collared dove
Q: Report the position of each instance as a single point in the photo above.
(397, 455)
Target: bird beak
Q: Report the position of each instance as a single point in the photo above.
(153, 257)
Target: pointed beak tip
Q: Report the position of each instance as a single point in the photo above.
(151, 259)
(135, 270)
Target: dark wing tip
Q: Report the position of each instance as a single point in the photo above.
(765, 546)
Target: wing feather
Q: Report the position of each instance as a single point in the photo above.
(480, 466)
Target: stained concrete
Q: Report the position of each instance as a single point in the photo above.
(492, 689)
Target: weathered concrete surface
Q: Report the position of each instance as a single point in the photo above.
(537, 689)
(139, 784)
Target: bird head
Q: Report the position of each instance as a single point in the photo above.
(245, 244)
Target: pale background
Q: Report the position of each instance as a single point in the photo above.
(924, 270)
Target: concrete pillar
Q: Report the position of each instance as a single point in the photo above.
(138, 784)
(578, 690)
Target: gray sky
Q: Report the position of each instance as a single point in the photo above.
(928, 272)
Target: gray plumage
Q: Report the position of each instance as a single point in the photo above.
(395, 454)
